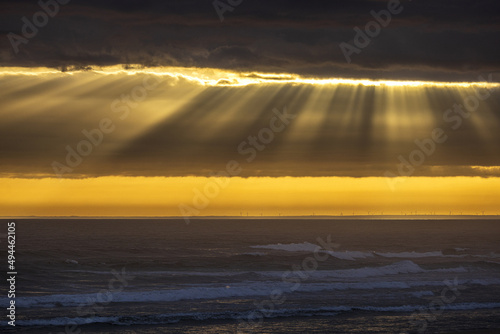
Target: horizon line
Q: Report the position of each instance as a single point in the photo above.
(453, 216)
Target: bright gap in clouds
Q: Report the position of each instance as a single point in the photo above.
(218, 77)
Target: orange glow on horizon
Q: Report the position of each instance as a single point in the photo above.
(161, 196)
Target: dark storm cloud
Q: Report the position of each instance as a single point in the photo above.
(444, 39)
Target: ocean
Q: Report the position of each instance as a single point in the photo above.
(227, 275)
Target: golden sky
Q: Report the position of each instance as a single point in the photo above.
(161, 196)
(139, 142)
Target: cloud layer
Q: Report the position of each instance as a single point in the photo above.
(428, 39)
(119, 123)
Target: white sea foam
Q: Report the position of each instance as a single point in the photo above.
(402, 267)
(485, 281)
(175, 317)
(420, 294)
(309, 248)
(349, 255)
(215, 291)
(409, 255)
(303, 247)
(255, 253)
(353, 255)
(63, 321)
(201, 292)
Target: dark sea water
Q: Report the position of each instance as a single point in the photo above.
(255, 276)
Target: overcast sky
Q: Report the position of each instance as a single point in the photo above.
(427, 39)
